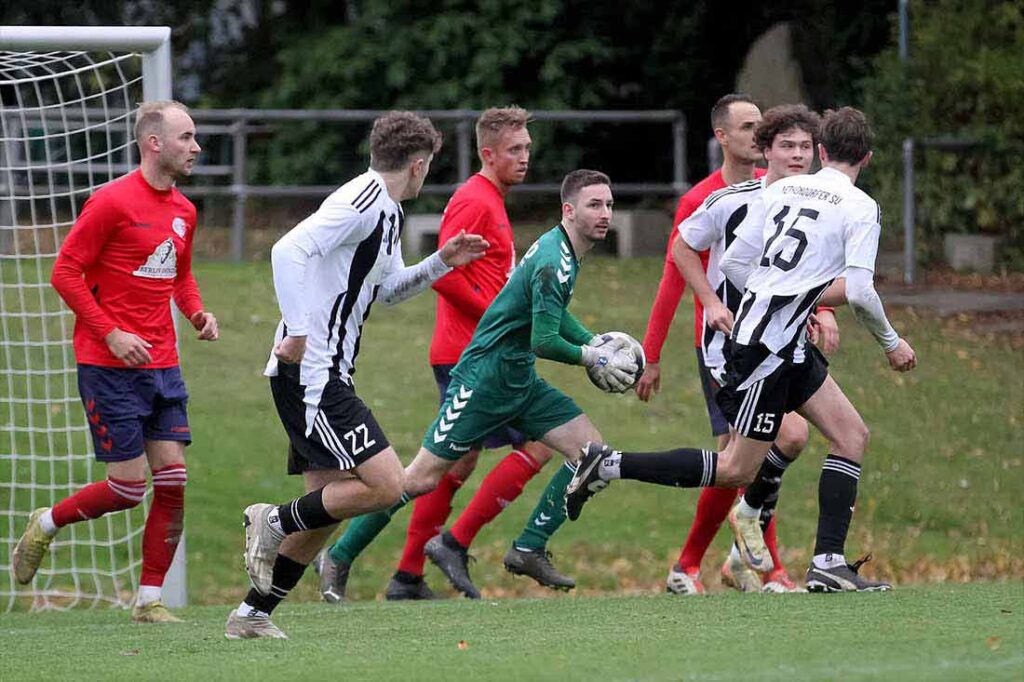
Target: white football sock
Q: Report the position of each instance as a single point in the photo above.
(609, 468)
(47, 524)
(147, 594)
(246, 611)
(744, 509)
(274, 521)
(827, 561)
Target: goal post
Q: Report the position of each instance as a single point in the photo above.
(67, 95)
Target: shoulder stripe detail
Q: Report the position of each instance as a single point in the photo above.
(363, 193)
(728, 192)
(368, 203)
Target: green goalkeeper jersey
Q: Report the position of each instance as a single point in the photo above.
(528, 318)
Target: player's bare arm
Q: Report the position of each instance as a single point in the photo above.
(835, 295)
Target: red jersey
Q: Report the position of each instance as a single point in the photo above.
(127, 255)
(477, 207)
(670, 289)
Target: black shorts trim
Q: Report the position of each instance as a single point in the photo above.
(343, 433)
(756, 411)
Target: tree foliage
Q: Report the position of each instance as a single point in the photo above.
(541, 54)
(963, 80)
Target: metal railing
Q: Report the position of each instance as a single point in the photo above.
(240, 123)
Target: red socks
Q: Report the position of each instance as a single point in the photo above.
(502, 485)
(429, 512)
(97, 499)
(772, 542)
(164, 523)
(713, 507)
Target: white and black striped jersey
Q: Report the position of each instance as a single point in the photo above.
(813, 228)
(327, 272)
(713, 226)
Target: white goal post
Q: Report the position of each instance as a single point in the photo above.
(67, 94)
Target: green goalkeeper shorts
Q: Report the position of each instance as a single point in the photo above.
(512, 396)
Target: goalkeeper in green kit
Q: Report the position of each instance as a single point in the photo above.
(495, 384)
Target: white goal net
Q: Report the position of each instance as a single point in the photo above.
(65, 130)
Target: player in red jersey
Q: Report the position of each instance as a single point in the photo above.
(733, 118)
(478, 207)
(127, 256)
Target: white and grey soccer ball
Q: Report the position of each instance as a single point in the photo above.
(634, 351)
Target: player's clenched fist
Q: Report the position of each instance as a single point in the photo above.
(902, 358)
(206, 324)
(290, 349)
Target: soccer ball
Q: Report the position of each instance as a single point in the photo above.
(634, 351)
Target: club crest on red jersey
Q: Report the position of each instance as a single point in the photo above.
(179, 226)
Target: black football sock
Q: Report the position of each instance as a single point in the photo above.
(305, 513)
(837, 493)
(768, 480)
(683, 468)
(407, 578)
(286, 576)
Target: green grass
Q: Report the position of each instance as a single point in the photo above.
(962, 632)
(939, 499)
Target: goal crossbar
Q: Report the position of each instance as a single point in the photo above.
(153, 42)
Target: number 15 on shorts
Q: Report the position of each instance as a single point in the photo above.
(764, 422)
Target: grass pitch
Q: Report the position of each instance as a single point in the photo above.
(961, 632)
(939, 499)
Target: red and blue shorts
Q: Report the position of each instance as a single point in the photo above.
(126, 407)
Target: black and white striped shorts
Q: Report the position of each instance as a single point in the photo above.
(343, 433)
(756, 411)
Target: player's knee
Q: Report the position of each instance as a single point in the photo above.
(854, 442)
(419, 483)
(862, 435)
(732, 473)
(390, 490)
(466, 465)
(792, 439)
(540, 453)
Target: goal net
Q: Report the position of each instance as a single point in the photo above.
(65, 129)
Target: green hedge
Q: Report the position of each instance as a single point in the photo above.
(963, 79)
